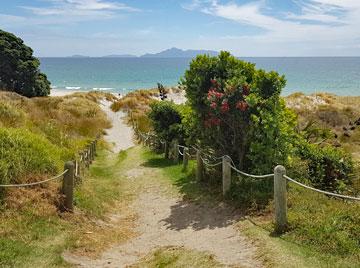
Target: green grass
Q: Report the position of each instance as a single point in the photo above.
(185, 181)
(175, 257)
(101, 189)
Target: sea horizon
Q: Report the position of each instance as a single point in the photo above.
(336, 75)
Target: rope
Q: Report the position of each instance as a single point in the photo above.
(33, 183)
(251, 175)
(321, 191)
(210, 165)
(180, 152)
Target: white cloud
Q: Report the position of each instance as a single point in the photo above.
(327, 24)
(80, 8)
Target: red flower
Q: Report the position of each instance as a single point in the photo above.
(212, 121)
(225, 107)
(213, 105)
(246, 89)
(242, 106)
(216, 121)
(219, 95)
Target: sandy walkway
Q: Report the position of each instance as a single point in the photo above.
(120, 135)
(166, 219)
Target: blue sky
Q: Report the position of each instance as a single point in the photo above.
(246, 28)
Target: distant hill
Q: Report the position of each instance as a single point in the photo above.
(120, 56)
(78, 56)
(179, 53)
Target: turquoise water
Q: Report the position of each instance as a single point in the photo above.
(339, 75)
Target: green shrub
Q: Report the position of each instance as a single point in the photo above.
(19, 69)
(23, 153)
(166, 121)
(238, 111)
(328, 168)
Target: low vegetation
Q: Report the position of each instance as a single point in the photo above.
(177, 258)
(37, 236)
(43, 133)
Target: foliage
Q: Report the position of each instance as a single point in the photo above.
(23, 153)
(19, 69)
(162, 91)
(328, 168)
(238, 111)
(39, 134)
(166, 121)
(137, 104)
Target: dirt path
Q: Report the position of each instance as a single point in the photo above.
(120, 135)
(166, 219)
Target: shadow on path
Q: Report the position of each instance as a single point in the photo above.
(201, 205)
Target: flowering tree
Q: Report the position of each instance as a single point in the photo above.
(239, 111)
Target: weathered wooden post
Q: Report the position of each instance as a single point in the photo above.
(80, 164)
(185, 158)
(68, 185)
(199, 166)
(280, 199)
(166, 150)
(87, 160)
(226, 174)
(176, 151)
(90, 152)
(93, 150)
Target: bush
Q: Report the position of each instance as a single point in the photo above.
(238, 111)
(23, 154)
(166, 121)
(19, 70)
(328, 167)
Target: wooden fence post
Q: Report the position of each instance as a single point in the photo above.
(185, 158)
(166, 150)
(80, 162)
(87, 157)
(280, 199)
(176, 151)
(226, 174)
(68, 185)
(199, 166)
(92, 150)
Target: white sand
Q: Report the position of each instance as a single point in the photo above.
(120, 135)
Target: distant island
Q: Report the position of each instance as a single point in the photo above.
(179, 53)
(168, 53)
(78, 56)
(120, 56)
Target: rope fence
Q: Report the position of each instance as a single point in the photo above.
(279, 176)
(33, 183)
(70, 176)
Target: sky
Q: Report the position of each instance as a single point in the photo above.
(245, 28)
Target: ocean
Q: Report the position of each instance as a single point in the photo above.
(338, 75)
